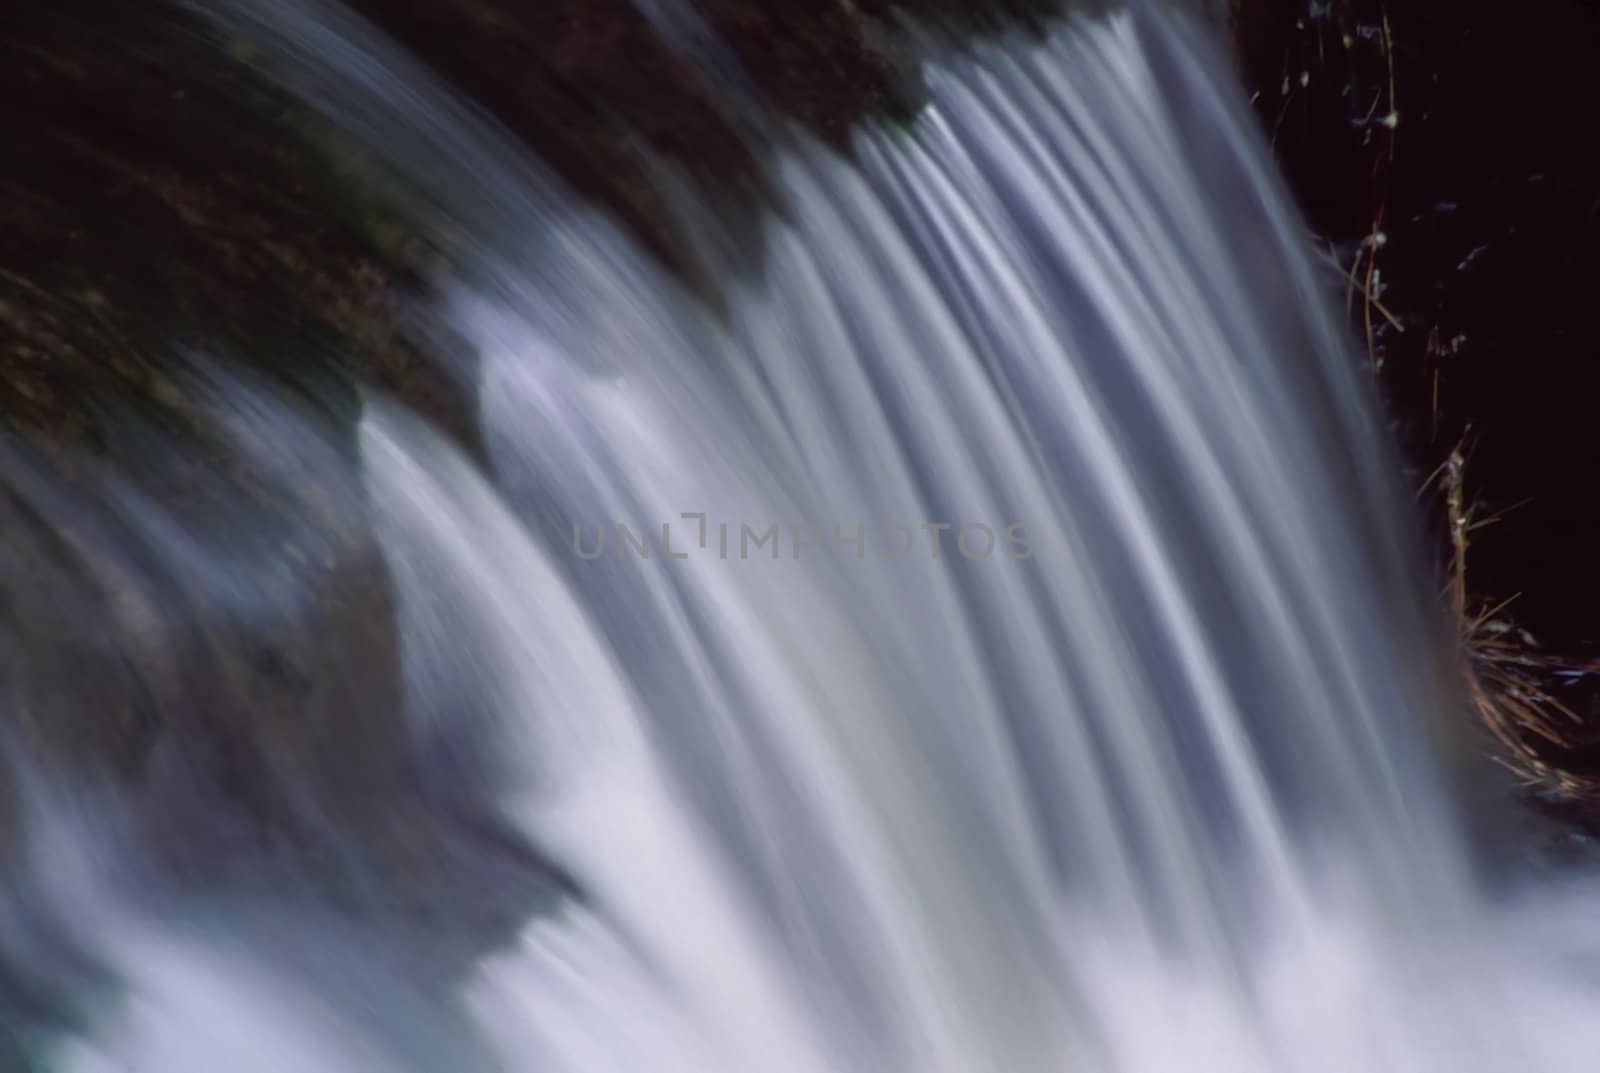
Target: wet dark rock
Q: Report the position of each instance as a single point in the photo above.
(180, 625)
(158, 189)
(155, 194)
(194, 621)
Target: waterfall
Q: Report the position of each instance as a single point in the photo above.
(989, 639)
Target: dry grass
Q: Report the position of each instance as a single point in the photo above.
(1508, 679)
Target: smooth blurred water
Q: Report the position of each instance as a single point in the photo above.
(1146, 779)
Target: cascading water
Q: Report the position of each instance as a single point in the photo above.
(988, 642)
